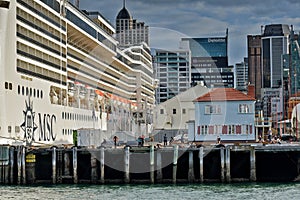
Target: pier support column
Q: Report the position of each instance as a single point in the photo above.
(66, 164)
(94, 174)
(54, 165)
(227, 163)
(4, 164)
(222, 165)
(152, 164)
(191, 175)
(19, 164)
(201, 153)
(127, 165)
(11, 163)
(75, 176)
(252, 164)
(159, 174)
(102, 164)
(175, 158)
(23, 165)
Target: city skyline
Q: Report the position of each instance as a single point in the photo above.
(199, 18)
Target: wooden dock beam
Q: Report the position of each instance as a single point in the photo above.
(75, 176)
(127, 165)
(227, 163)
(201, 155)
(222, 176)
(159, 174)
(152, 164)
(175, 158)
(102, 164)
(191, 175)
(252, 165)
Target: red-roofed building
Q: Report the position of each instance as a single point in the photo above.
(226, 113)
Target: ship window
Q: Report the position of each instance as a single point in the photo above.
(17, 129)
(19, 89)
(34, 92)
(27, 91)
(4, 4)
(22, 90)
(9, 129)
(6, 85)
(30, 91)
(41, 94)
(37, 93)
(10, 86)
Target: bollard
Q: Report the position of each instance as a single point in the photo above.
(201, 164)
(152, 164)
(102, 164)
(222, 164)
(54, 165)
(191, 176)
(127, 165)
(159, 167)
(252, 165)
(175, 158)
(75, 177)
(227, 163)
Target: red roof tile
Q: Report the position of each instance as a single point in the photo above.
(224, 94)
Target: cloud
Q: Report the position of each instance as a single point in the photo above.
(200, 18)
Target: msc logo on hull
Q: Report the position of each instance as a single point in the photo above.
(45, 128)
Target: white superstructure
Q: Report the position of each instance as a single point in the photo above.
(60, 71)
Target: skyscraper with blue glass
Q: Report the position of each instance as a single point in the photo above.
(209, 61)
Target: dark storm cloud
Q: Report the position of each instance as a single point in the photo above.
(200, 18)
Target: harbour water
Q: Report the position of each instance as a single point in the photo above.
(247, 191)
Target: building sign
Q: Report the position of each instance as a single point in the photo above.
(45, 128)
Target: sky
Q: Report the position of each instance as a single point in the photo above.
(170, 20)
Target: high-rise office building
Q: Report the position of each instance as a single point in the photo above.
(129, 31)
(209, 61)
(241, 75)
(173, 71)
(254, 63)
(294, 62)
(274, 44)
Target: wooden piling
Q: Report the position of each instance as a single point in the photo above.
(152, 164)
(252, 165)
(222, 176)
(11, 161)
(159, 174)
(102, 164)
(23, 165)
(75, 176)
(201, 153)
(127, 165)
(66, 164)
(54, 165)
(19, 164)
(175, 158)
(94, 174)
(227, 164)
(191, 176)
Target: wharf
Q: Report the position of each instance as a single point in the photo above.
(20, 165)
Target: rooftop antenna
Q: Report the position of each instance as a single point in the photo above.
(124, 3)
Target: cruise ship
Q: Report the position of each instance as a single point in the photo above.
(61, 71)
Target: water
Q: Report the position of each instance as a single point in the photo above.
(249, 191)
